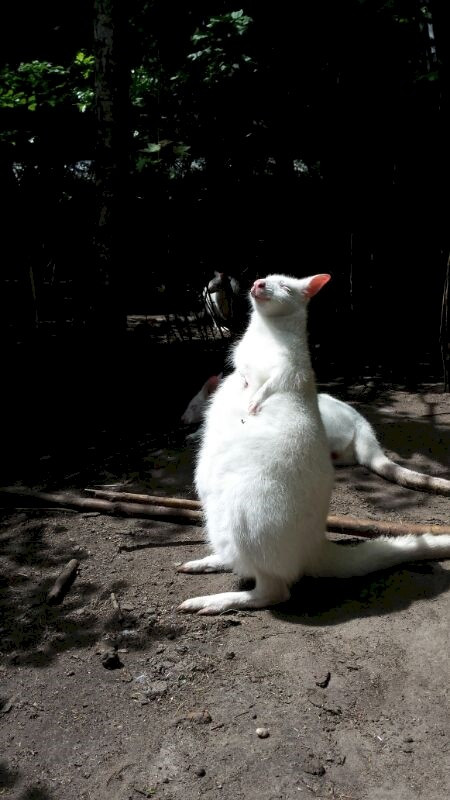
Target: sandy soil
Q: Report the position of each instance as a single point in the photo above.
(350, 678)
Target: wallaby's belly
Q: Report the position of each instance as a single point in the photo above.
(264, 478)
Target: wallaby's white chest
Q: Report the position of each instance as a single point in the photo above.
(258, 355)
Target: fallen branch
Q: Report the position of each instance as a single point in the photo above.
(63, 583)
(147, 499)
(172, 509)
(347, 525)
(119, 509)
(371, 528)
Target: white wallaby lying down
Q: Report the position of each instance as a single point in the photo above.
(264, 473)
(195, 410)
(351, 439)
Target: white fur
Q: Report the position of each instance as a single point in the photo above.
(352, 440)
(265, 478)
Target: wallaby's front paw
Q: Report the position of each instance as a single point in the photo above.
(254, 408)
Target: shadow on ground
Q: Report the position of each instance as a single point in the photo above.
(327, 601)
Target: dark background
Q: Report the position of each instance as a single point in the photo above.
(310, 138)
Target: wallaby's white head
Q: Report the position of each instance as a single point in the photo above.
(282, 296)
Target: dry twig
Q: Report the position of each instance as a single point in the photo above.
(63, 583)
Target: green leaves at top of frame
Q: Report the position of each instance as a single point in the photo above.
(218, 53)
(36, 84)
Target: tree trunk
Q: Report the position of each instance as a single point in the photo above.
(445, 330)
(440, 21)
(107, 314)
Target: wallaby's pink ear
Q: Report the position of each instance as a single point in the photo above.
(211, 384)
(315, 284)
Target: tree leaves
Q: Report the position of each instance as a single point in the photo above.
(36, 84)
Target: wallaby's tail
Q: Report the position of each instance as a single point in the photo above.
(370, 455)
(340, 561)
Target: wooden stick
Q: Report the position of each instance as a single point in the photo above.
(347, 525)
(63, 583)
(119, 509)
(147, 499)
(368, 528)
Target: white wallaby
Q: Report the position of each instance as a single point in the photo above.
(196, 407)
(352, 440)
(264, 473)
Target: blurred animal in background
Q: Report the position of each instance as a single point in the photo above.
(222, 299)
(196, 408)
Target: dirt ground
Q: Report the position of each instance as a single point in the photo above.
(349, 678)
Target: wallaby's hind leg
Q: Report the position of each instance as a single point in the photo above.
(268, 592)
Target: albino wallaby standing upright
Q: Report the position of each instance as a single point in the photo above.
(264, 474)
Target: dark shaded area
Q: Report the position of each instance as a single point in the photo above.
(325, 601)
(33, 632)
(36, 793)
(7, 777)
(325, 151)
(10, 777)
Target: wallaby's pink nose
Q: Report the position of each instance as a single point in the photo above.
(258, 290)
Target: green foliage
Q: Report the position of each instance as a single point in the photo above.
(82, 75)
(145, 83)
(220, 86)
(40, 84)
(165, 156)
(212, 58)
(218, 39)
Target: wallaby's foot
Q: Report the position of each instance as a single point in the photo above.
(211, 563)
(267, 592)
